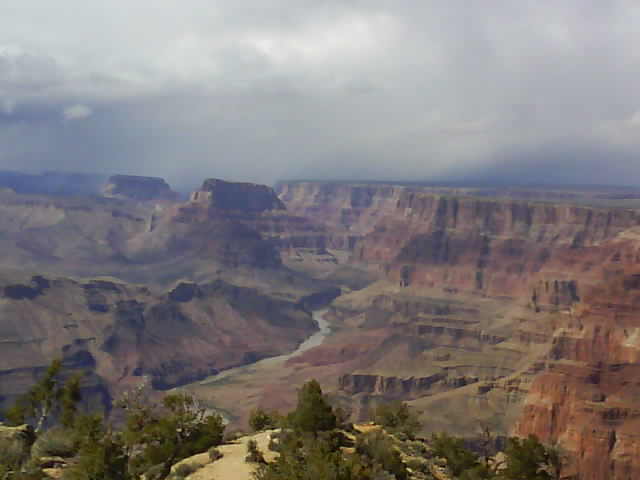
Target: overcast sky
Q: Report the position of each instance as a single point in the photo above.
(260, 90)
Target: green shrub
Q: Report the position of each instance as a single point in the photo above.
(313, 412)
(254, 455)
(186, 469)
(233, 435)
(12, 454)
(380, 449)
(526, 458)
(459, 457)
(415, 448)
(417, 464)
(260, 420)
(56, 442)
(155, 472)
(215, 454)
(398, 418)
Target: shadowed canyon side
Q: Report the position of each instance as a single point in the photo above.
(124, 333)
(140, 235)
(184, 289)
(520, 314)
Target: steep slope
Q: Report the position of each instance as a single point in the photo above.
(123, 333)
(487, 246)
(298, 239)
(587, 396)
(348, 211)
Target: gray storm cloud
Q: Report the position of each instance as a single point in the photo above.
(265, 90)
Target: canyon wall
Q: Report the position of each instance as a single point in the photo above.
(122, 334)
(346, 211)
(586, 399)
(492, 247)
(520, 313)
(185, 289)
(136, 241)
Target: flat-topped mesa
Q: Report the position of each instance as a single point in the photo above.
(225, 195)
(139, 189)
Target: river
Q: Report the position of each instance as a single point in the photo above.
(313, 341)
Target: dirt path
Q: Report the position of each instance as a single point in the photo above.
(232, 465)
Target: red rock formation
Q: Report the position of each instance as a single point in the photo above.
(347, 211)
(587, 397)
(258, 208)
(487, 246)
(582, 262)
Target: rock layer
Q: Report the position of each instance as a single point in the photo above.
(121, 334)
(562, 346)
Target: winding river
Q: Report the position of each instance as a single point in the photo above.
(313, 341)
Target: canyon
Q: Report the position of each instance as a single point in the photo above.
(521, 314)
(512, 308)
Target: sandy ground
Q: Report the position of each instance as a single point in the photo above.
(232, 465)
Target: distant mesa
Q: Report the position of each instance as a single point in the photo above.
(139, 189)
(237, 196)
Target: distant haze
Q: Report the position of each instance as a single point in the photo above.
(261, 90)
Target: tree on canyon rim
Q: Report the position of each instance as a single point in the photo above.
(154, 437)
(50, 399)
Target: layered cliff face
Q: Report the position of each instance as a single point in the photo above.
(587, 397)
(137, 241)
(122, 333)
(346, 211)
(552, 342)
(139, 189)
(258, 208)
(489, 246)
(237, 196)
(212, 274)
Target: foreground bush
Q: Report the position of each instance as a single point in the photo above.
(55, 442)
(260, 420)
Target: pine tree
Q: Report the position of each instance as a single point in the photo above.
(313, 413)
